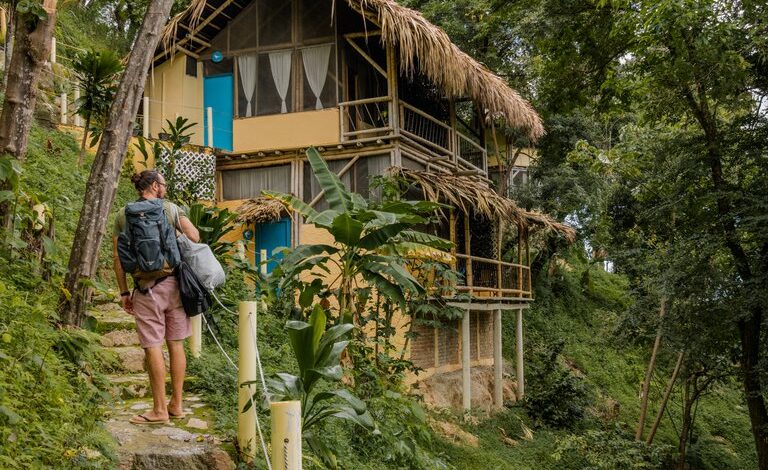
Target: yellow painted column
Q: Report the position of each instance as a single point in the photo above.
(196, 340)
(286, 435)
(246, 422)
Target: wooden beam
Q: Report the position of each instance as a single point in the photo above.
(343, 171)
(367, 58)
(198, 27)
(188, 52)
(194, 37)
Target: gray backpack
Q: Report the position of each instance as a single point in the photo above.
(147, 245)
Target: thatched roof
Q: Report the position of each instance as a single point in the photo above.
(422, 46)
(260, 210)
(470, 194)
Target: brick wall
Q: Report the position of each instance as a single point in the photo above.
(423, 347)
(448, 344)
(485, 334)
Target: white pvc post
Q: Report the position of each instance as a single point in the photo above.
(78, 121)
(263, 259)
(196, 340)
(209, 114)
(246, 422)
(498, 362)
(286, 435)
(466, 373)
(145, 118)
(53, 50)
(63, 108)
(519, 356)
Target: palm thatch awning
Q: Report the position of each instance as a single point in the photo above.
(260, 210)
(470, 194)
(422, 47)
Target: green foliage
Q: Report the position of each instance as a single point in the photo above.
(608, 450)
(213, 223)
(97, 73)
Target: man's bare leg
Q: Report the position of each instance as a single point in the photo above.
(178, 369)
(156, 370)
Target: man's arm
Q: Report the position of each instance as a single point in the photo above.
(122, 282)
(189, 229)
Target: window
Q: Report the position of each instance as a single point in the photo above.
(249, 183)
(191, 67)
(357, 178)
(285, 57)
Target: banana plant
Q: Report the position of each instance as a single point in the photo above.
(318, 354)
(213, 223)
(368, 242)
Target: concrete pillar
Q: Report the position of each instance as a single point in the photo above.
(145, 118)
(209, 115)
(519, 356)
(498, 364)
(78, 119)
(466, 373)
(246, 422)
(286, 435)
(63, 108)
(196, 340)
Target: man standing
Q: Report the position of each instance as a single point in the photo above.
(155, 302)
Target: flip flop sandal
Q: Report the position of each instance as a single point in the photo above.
(143, 420)
(173, 416)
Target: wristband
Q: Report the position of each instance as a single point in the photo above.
(126, 293)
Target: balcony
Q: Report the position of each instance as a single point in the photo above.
(488, 278)
(435, 141)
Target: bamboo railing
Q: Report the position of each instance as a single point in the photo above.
(493, 278)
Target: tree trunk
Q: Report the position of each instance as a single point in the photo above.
(32, 48)
(10, 31)
(664, 400)
(649, 374)
(105, 172)
(685, 430)
(81, 157)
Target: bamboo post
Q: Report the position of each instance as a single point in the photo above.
(466, 373)
(519, 257)
(209, 114)
(667, 393)
(53, 50)
(468, 248)
(63, 108)
(499, 272)
(649, 374)
(246, 422)
(519, 356)
(196, 340)
(286, 435)
(263, 260)
(145, 118)
(498, 364)
(452, 235)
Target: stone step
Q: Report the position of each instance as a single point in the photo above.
(181, 444)
(130, 359)
(109, 317)
(118, 338)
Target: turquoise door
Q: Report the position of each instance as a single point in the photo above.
(218, 94)
(270, 236)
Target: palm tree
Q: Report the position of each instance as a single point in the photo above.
(97, 72)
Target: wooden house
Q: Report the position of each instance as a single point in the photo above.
(376, 88)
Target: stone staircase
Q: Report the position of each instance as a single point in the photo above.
(183, 444)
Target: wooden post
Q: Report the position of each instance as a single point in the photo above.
(519, 356)
(145, 119)
(286, 435)
(63, 108)
(499, 271)
(246, 422)
(76, 91)
(498, 364)
(209, 114)
(196, 340)
(53, 50)
(452, 235)
(519, 257)
(468, 248)
(263, 261)
(466, 373)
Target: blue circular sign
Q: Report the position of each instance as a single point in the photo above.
(217, 57)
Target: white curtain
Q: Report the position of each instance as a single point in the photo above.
(244, 184)
(280, 62)
(316, 67)
(247, 65)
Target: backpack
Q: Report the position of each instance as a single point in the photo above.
(194, 296)
(147, 245)
(202, 261)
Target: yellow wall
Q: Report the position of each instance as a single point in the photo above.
(282, 131)
(173, 93)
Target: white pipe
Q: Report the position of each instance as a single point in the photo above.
(466, 374)
(498, 364)
(286, 435)
(78, 119)
(145, 119)
(63, 107)
(209, 113)
(53, 50)
(196, 340)
(246, 422)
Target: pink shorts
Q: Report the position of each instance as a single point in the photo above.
(160, 315)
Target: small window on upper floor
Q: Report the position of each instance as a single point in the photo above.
(191, 66)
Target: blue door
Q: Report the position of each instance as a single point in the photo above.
(218, 94)
(270, 236)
